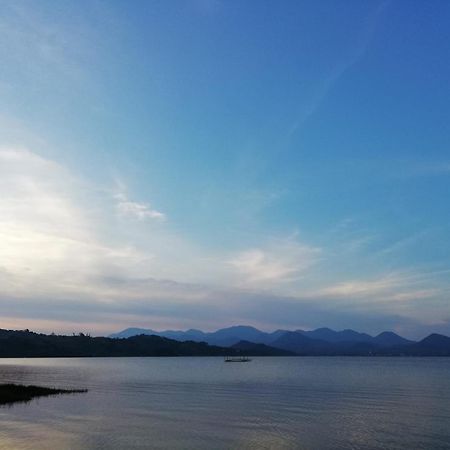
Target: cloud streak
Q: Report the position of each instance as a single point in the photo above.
(140, 211)
(283, 261)
(328, 82)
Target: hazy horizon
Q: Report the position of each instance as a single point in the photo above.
(201, 164)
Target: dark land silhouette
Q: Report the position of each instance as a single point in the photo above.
(28, 344)
(320, 342)
(25, 343)
(13, 393)
(226, 337)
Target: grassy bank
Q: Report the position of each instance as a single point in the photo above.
(11, 393)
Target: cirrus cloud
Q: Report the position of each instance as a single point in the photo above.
(138, 210)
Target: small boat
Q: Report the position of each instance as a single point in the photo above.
(237, 359)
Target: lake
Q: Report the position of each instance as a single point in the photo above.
(204, 403)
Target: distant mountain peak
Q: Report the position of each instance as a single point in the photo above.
(436, 338)
(389, 338)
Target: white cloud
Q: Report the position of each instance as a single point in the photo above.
(141, 211)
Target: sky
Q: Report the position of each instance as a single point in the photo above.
(207, 163)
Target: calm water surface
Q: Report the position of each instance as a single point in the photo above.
(204, 403)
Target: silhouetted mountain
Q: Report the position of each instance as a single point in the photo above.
(432, 345)
(322, 341)
(128, 332)
(178, 335)
(350, 343)
(224, 337)
(301, 344)
(250, 348)
(189, 335)
(232, 335)
(27, 344)
(276, 334)
(347, 339)
(326, 334)
(297, 342)
(388, 338)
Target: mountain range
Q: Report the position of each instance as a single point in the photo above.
(322, 341)
(226, 337)
(24, 343)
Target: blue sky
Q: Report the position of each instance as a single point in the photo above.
(205, 163)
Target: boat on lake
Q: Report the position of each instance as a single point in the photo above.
(237, 359)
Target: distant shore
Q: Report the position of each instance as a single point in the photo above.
(26, 344)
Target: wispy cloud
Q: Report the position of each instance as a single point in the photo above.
(325, 85)
(362, 288)
(394, 288)
(403, 243)
(141, 211)
(283, 260)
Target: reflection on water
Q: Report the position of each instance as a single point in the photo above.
(203, 403)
